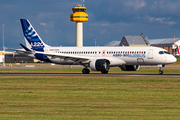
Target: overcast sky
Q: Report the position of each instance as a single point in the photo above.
(109, 20)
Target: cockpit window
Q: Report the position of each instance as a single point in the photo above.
(161, 52)
(164, 52)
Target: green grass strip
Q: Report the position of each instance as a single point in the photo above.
(89, 98)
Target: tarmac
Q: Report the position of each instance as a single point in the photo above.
(91, 74)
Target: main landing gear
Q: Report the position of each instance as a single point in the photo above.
(160, 69)
(85, 71)
(104, 72)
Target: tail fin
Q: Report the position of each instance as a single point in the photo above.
(32, 39)
(178, 50)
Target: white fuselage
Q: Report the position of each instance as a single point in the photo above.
(130, 55)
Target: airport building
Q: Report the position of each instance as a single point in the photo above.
(79, 16)
(131, 41)
(169, 44)
(1, 57)
(11, 57)
(134, 41)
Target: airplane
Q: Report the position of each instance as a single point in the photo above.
(178, 50)
(95, 58)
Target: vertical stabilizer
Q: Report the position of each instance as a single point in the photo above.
(178, 50)
(32, 39)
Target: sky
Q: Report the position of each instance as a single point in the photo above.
(109, 20)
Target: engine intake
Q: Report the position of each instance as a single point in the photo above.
(102, 65)
(129, 67)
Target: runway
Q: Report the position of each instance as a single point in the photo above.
(92, 74)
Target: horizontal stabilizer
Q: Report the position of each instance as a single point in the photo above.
(25, 48)
(20, 50)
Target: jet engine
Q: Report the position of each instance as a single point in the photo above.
(102, 65)
(129, 67)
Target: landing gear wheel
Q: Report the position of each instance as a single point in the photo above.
(160, 72)
(160, 69)
(85, 71)
(104, 72)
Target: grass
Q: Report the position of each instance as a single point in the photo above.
(47, 68)
(143, 70)
(89, 98)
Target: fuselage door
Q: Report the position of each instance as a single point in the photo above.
(150, 54)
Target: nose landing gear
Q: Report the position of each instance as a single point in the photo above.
(160, 69)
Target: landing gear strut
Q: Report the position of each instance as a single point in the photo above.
(85, 71)
(160, 69)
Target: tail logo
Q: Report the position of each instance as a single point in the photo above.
(31, 35)
(178, 49)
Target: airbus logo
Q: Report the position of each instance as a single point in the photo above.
(37, 44)
(31, 32)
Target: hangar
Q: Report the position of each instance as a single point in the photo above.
(134, 41)
(169, 44)
(131, 41)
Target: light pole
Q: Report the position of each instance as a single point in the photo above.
(174, 45)
(3, 57)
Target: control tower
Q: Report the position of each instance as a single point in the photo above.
(79, 16)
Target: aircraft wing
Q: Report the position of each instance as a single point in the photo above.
(66, 57)
(54, 55)
(78, 59)
(20, 50)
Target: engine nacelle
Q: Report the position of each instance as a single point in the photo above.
(99, 65)
(129, 67)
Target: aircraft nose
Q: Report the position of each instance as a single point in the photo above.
(172, 59)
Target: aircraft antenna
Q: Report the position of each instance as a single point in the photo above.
(83, 3)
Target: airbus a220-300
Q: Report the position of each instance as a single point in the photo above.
(95, 58)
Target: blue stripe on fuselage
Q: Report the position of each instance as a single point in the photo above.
(42, 57)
